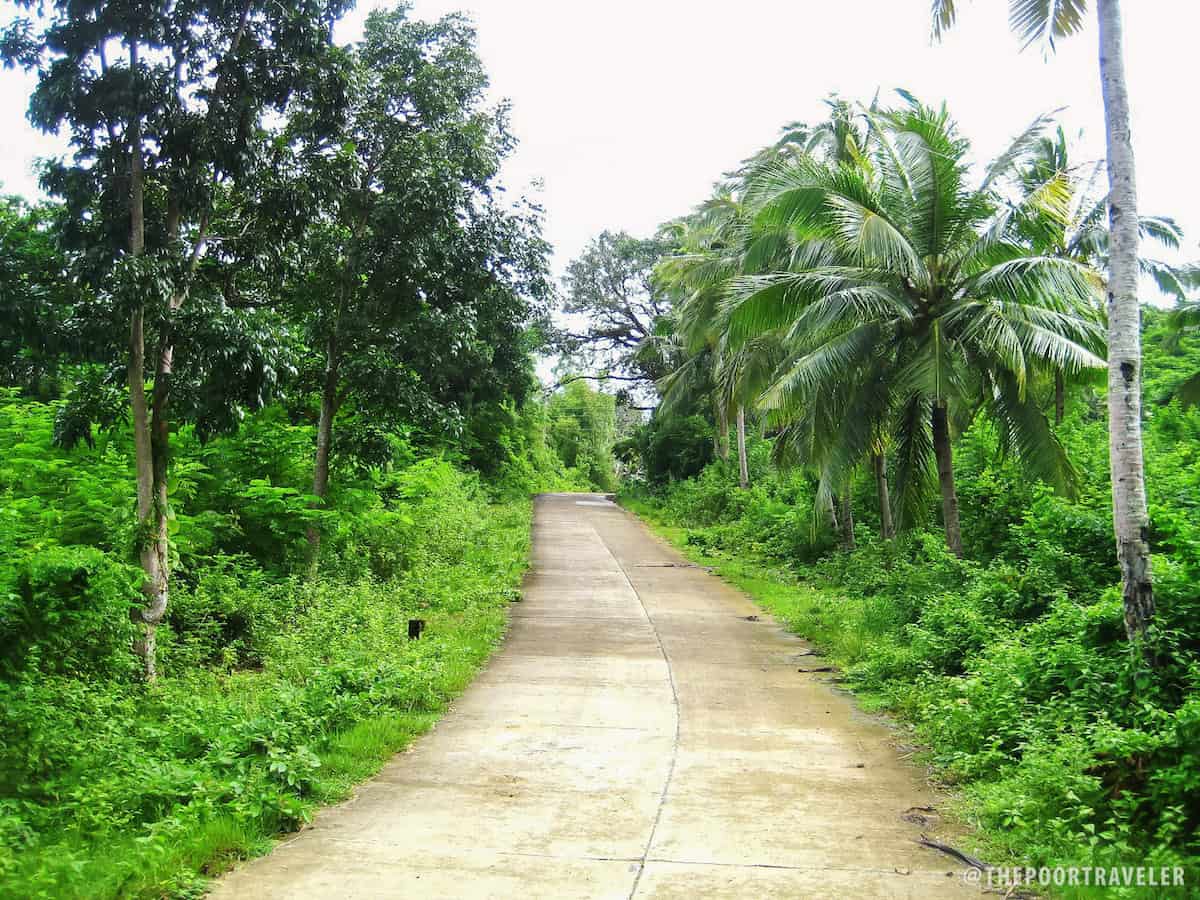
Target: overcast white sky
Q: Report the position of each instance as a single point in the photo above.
(628, 110)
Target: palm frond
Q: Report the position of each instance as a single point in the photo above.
(1169, 279)
(872, 239)
(1006, 163)
(1025, 431)
(1162, 229)
(819, 373)
(944, 15)
(914, 472)
(1050, 281)
(1036, 21)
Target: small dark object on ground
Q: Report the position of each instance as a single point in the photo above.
(415, 627)
(926, 841)
(920, 815)
(750, 618)
(818, 669)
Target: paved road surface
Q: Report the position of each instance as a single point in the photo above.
(637, 736)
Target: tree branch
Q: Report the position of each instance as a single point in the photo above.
(572, 378)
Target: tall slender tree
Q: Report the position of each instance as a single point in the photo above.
(417, 278)
(1044, 21)
(714, 245)
(165, 104)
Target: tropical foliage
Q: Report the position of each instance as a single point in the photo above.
(875, 298)
(267, 392)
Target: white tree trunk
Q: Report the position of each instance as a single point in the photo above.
(743, 463)
(1131, 521)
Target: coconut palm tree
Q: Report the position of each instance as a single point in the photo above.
(1044, 21)
(910, 301)
(1061, 213)
(713, 248)
(719, 242)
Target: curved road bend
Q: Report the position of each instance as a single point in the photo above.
(636, 736)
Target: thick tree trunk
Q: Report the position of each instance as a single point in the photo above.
(743, 463)
(1060, 397)
(329, 398)
(1131, 521)
(886, 527)
(945, 467)
(846, 518)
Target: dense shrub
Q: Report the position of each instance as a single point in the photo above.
(66, 610)
(280, 684)
(670, 449)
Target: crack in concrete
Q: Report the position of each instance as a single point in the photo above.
(662, 800)
(940, 872)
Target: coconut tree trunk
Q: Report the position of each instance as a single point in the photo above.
(722, 433)
(846, 519)
(945, 467)
(886, 526)
(831, 515)
(743, 464)
(1060, 397)
(1131, 521)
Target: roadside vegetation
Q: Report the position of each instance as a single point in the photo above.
(277, 689)
(268, 393)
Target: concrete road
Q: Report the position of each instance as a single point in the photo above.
(644, 732)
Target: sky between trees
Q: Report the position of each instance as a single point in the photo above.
(626, 109)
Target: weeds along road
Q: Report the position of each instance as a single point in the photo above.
(645, 731)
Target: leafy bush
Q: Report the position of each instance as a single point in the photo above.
(280, 685)
(66, 610)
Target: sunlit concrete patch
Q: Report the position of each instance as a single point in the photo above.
(687, 881)
(302, 875)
